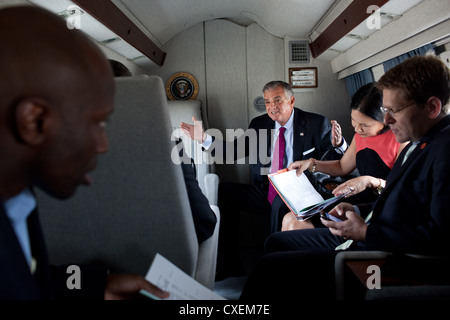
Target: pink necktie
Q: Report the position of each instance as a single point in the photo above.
(277, 161)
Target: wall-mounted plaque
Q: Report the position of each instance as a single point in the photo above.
(182, 86)
(303, 77)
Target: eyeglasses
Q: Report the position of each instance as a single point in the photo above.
(392, 112)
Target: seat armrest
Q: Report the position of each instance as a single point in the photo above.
(340, 263)
(207, 255)
(411, 276)
(212, 188)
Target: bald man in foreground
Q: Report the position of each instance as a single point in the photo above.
(56, 92)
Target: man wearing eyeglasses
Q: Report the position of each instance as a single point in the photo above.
(410, 216)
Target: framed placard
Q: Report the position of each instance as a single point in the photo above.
(303, 77)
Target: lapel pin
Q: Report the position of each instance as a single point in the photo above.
(301, 134)
(423, 145)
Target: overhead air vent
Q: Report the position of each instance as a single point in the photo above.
(298, 51)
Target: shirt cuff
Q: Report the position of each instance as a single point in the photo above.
(207, 143)
(343, 147)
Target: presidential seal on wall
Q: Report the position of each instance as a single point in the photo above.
(182, 86)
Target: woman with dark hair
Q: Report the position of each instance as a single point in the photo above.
(372, 151)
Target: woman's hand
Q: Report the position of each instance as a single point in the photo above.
(357, 185)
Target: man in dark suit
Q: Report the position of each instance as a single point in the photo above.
(204, 218)
(56, 92)
(307, 135)
(410, 216)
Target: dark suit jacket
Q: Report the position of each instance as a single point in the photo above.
(311, 132)
(413, 213)
(16, 280)
(204, 218)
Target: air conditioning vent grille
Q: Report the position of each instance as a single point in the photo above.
(298, 52)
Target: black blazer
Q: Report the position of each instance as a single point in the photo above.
(48, 282)
(202, 214)
(412, 214)
(312, 138)
(16, 280)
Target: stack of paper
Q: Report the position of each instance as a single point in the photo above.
(299, 194)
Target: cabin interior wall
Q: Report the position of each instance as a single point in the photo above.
(226, 83)
(111, 54)
(231, 64)
(329, 99)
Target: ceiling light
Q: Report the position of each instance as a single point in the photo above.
(71, 11)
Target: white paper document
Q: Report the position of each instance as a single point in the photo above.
(299, 194)
(297, 190)
(168, 277)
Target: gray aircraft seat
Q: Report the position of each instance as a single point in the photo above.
(383, 275)
(183, 111)
(138, 204)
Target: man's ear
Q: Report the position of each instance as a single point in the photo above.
(292, 100)
(30, 117)
(434, 107)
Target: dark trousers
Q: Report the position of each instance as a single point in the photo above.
(299, 265)
(233, 198)
(293, 275)
(300, 240)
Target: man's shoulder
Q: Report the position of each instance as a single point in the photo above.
(309, 119)
(441, 141)
(440, 134)
(310, 115)
(261, 121)
(300, 116)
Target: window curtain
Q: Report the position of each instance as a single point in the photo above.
(357, 80)
(397, 60)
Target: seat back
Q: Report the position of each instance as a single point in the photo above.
(183, 111)
(137, 205)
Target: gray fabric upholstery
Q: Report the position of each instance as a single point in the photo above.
(344, 256)
(137, 205)
(207, 256)
(211, 192)
(391, 292)
(424, 292)
(183, 111)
